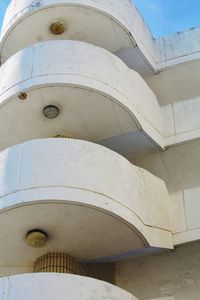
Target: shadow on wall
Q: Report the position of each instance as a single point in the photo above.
(178, 166)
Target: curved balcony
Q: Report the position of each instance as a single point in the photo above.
(85, 20)
(92, 202)
(99, 97)
(56, 286)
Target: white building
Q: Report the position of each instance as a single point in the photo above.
(116, 204)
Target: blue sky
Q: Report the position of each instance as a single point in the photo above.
(162, 16)
(169, 16)
(3, 5)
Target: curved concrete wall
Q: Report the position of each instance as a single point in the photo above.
(79, 78)
(108, 174)
(56, 286)
(120, 20)
(125, 29)
(54, 170)
(112, 17)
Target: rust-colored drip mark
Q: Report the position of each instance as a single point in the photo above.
(22, 96)
(64, 136)
(57, 28)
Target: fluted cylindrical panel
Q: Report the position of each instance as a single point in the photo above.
(56, 262)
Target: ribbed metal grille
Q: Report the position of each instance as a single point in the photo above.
(56, 262)
(65, 263)
(64, 136)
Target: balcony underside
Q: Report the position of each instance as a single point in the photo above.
(98, 97)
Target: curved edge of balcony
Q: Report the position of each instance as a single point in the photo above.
(150, 236)
(146, 128)
(115, 80)
(58, 286)
(113, 12)
(123, 14)
(111, 185)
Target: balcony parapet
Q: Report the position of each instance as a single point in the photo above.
(99, 97)
(89, 199)
(127, 34)
(111, 24)
(56, 286)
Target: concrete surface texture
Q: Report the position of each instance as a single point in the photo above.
(32, 286)
(179, 168)
(169, 276)
(121, 21)
(112, 84)
(106, 213)
(123, 25)
(77, 73)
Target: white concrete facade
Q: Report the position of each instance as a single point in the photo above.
(112, 85)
